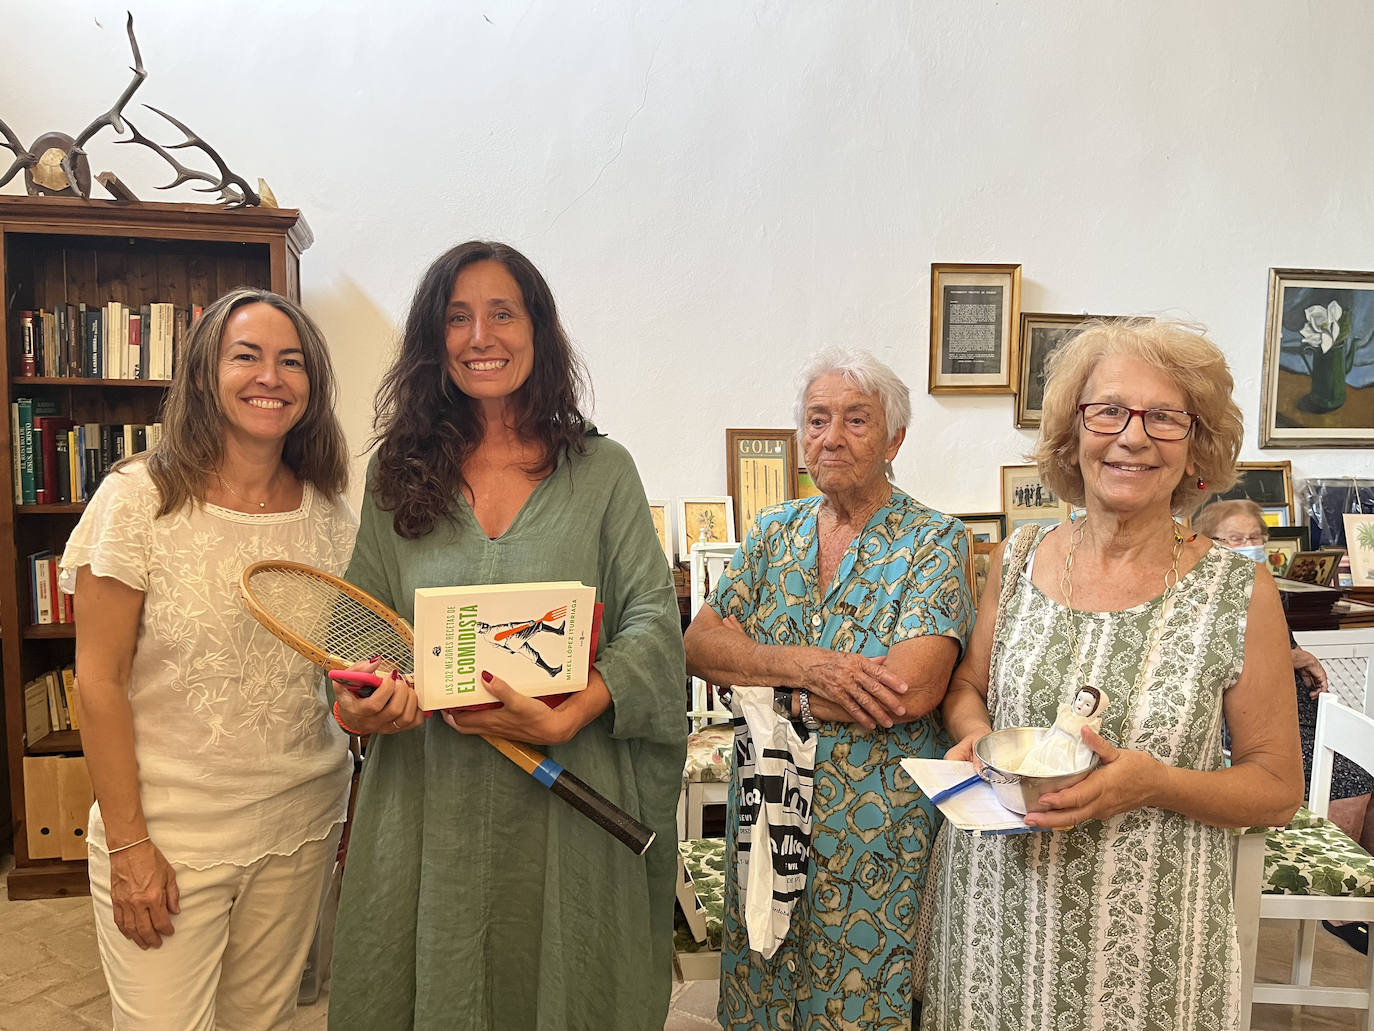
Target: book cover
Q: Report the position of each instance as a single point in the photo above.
(37, 722)
(537, 637)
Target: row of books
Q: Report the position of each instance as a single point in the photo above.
(110, 342)
(58, 461)
(50, 704)
(46, 603)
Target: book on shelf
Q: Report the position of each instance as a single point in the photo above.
(537, 637)
(37, 720)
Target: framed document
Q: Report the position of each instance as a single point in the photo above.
(760, 470)
(975, 318)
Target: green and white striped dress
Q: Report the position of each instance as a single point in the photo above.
(1121, 923)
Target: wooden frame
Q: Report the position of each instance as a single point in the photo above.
(1313, 567)
(986, 527)
(1267, 484)
(1025, 499)
(1039, 336)
(661, 512)
(1319, 335)
(980, 355)
(760, 470)
(713, 513)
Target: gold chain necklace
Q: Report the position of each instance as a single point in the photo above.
(225, 484)
(1156, 630)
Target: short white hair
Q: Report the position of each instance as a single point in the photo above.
(865, 372)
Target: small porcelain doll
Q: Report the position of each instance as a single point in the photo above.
(1063, 749)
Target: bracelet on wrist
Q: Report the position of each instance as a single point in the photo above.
(122, 848)
(339, 720)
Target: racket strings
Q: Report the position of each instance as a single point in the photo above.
(328, 618)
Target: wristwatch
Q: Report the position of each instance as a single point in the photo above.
(804, 703)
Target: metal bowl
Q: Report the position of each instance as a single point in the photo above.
(1001, 753)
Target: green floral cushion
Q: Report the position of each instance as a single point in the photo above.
(704, 859)
(708, 753)
(1312, 856)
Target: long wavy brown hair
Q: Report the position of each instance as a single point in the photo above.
(193, 423)
(425, 427)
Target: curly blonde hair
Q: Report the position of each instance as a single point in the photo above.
(1179, 351)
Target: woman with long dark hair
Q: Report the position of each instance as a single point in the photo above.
(473, 897)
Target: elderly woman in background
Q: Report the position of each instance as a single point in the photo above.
(1122, 918)
(856, 604)
(474, 897)
(1239, 525)
(220, 778)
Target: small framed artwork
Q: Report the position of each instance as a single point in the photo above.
(806, 486)
(760, 470)
(1318, 382)
(1359, 542)
(1026, 499)
(704, 520)
(1267, 484)
(986, 527)
(974, 321)
(1040, 335)
(1313, 567)
(663, 526)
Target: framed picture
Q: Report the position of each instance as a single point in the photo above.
(663, 526)
(1313, 567)
(1040, 335)
(1026, 499)
(806, 486)
(1279, 551)
(1318, 388)
(1359, 542)
(1267, 484)
(986, 527)
(704, 520)
(760, 470)
(974, 319)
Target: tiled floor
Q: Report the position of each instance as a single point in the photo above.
(50, 976)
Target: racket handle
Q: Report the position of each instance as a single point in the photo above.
(581, 796)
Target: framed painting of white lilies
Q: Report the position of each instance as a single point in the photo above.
(1318, 359)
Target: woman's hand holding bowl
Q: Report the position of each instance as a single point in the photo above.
(1125, 779)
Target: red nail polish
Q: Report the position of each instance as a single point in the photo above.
(486, 676)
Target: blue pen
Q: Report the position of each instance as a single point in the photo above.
(950, 792)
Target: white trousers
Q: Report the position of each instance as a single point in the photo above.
(235, 961)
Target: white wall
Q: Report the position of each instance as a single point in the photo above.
(716, 188)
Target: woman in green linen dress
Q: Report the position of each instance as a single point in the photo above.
(1120, 918)
(473, 898)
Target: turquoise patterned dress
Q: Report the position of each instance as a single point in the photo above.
(846, 961)
(1119, 923)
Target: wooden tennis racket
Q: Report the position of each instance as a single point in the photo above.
(334, 624)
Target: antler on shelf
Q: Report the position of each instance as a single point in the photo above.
(22, 158)
(114, 117)
(232, 188)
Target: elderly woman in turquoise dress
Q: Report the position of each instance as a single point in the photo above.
(1123, 917)
(855, 603)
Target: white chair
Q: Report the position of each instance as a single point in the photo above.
(1314, 872)
(1346, 655)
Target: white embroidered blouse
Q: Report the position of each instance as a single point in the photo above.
(239, 756)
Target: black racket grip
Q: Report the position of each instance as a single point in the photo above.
(603, 812)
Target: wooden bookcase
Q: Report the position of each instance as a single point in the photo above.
(59, 250)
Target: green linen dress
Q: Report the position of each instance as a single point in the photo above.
(473, 898)
(1119, 923)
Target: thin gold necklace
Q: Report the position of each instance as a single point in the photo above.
(225, 484)
(1156, 630)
